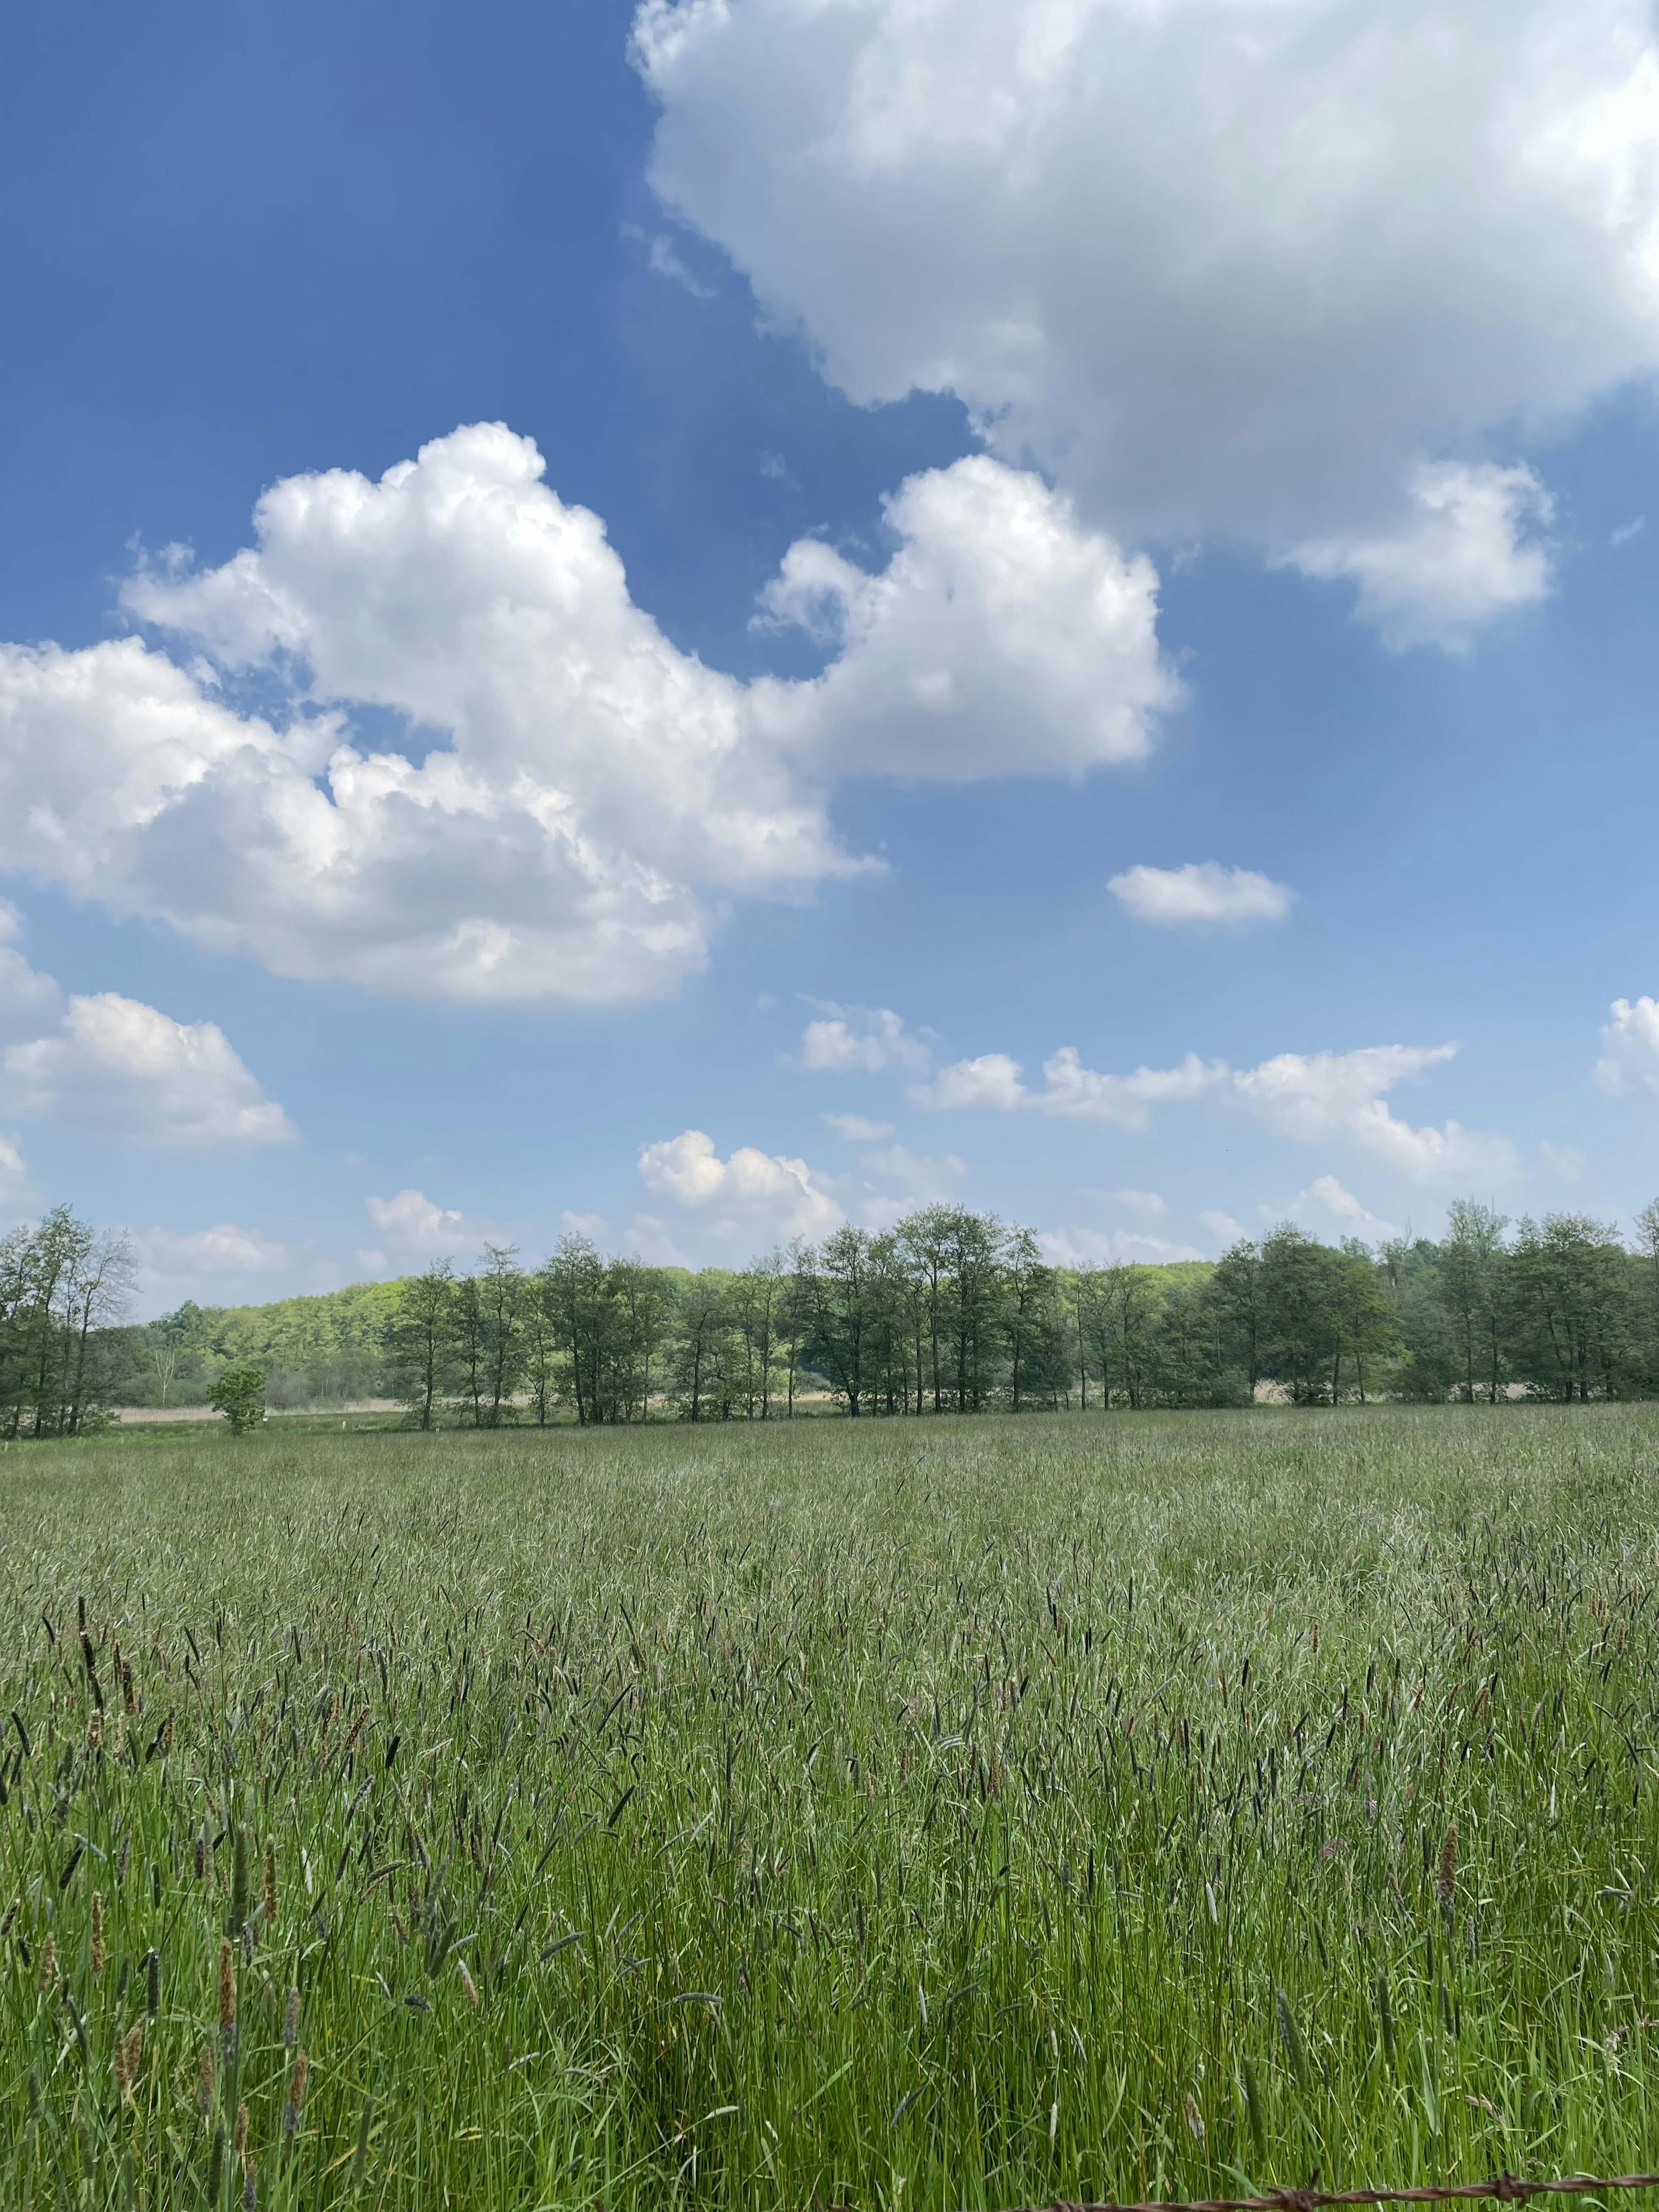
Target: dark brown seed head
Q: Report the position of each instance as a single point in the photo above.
(239, 2133)
(268, 1885)
(227, 1984)
(95, 1938)
(1447, 1884)
(204, 2080)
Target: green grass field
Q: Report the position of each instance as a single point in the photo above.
(902, 1814)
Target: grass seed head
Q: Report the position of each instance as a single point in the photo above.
(95, 1936)
(239, 2133)
(296, 2097)
(1446, 1883)
(204, 2079)
(152, 1982)
(46, 1971)
(268, 1892)
(250, 2185)
(129, 2056)
(467, 1982)
(291, 2019)
(95, 1730)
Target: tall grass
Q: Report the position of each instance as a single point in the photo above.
(931, 1815)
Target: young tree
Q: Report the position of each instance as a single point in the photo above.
(240, 1395)
(702, 1323)
(1300, 1333)
(1466, 1282)
(420, 1340)
(1365, 1328)
(501, 1304)
(1236, 1289)
(845, 1313)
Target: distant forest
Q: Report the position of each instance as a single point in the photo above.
(949, 1311)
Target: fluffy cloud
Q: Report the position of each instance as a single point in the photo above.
(859, 1041)
(1001, 640)
(113, 1064)
(1202, 891)
(1468, 552)
(578, 796)
(225, 1249)
(1072, 1091)
(412, 1224)
(1630, 1048)
(1227, 268)
(1317, 1096)
(751, 1191)
(1312, 1097)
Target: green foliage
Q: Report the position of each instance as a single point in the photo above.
(987, 1812)
(948, 1312)
(239, 1393)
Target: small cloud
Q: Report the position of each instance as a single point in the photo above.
(1202, 891)
(1222, 1226)
(856, 1129)
(1630, 1048)
(774, 468)
(117, 1066)
(1326, 1199)
(1565, 1162)
(1137, 1201)
(751, 1193)
(593, 1226)
(859, 1041)
(411, 1223)
(1091, 1248)
(1628, 530)
(665, 262)
(224, 1250)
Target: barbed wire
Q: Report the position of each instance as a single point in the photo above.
(1508, 2188)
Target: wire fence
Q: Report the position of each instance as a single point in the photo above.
(1508, 2188)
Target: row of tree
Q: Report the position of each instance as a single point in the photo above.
(949, 1311)
(952, 1312)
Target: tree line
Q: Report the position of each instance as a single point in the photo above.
(949, 1311)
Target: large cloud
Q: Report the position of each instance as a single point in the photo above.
(568, 799)
(1246, 268)
(105, 1062)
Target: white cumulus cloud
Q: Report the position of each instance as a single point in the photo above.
(1469, 551)
(859, 1041)
(750, 1190)
(1630, 1046)
(1201, 891)
(1311, 1097)
(587, 797)
(1229, 268)
(104, 1062)
(412, 1223)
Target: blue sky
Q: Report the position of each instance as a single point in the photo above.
(979, 461)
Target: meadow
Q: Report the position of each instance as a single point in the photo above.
(944, 1813)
